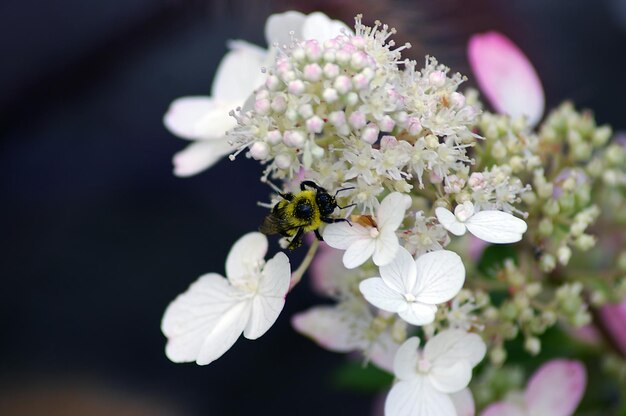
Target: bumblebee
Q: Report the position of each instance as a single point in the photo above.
(301, 212)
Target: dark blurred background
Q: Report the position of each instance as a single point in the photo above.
(99, 236)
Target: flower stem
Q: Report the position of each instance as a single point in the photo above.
(296, 276)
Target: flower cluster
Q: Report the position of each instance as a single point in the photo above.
(431, 186)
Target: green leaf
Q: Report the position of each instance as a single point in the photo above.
(354, 376)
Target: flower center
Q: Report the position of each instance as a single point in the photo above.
(409, 297)
(423, 365)
(374, 232)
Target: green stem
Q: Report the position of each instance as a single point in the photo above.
(296, 276)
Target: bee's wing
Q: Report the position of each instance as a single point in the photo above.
(271, 224)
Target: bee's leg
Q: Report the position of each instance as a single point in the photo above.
(296, 241)
(310, 184)
(333, 220)
(318, 235)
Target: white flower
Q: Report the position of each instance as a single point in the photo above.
(490, 225)
(205, 321)
(378, 240)
(428, 377)
(206, 119)
(412, 288)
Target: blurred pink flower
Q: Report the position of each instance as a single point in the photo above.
(614, 319)
(506, 76)
(555, 389)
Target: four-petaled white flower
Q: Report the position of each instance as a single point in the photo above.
(205, 321)
(491, 226)
(555, 389)
(428, 377)
(206, 119)
(412, 288)
(376, 238)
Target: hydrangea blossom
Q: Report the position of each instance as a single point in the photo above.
(427, 378)
(370, 236)
(205, 321)
(413, 288)
(555, 389)
(491, 226)
(205, 120)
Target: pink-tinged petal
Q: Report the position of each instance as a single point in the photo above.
(476, 247)
(238, 75)
(185, 112)
(614, 318)
(454, 345)
(440, 276)
(382, 296)
(506, 76)
(401, 273)
(418, 313)
(199, 156)
(383, 352)
(326, 265)
(556, 388)
(358, 253)
(496, 227)
(329, 327)
(418, 398)
(320, 27)
(405, 362)
(278, 26)
(504, 409)
(464, 402)
(248, 251)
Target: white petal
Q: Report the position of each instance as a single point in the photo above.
(418, 313)
(237, 76)
(380, 295)
(199, 156)
(417, 398)
(320, 27)
(184, 113)
(275, 277)
(265, 311)
(245, 255)
(358, 253)
(454, 345)
(449, 221)
(278, 26)
(556, 388)
(226, 332)
(390, 212)
(191, 317)
(496, 227)
(215, 123)
(401, 273)
(270, 298)
(464, 402)
(440, 276)
(341, 235)
(330, 327)
(405, 363)
(504, 409)
(451, 378)
(386, 247)
(506, 76)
